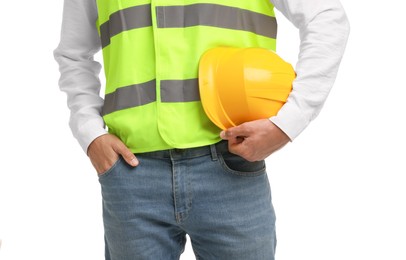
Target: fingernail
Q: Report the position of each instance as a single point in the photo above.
(222, 134)
(134, 162)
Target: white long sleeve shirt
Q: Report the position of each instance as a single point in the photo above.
(323, 29)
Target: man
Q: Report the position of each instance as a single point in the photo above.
(163, 168)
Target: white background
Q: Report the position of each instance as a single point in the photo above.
(339, 189)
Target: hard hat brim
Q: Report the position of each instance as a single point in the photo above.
(208, 87)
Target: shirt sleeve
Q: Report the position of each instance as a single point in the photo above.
(79, 78)
(323, 29)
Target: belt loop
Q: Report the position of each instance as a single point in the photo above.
(213, 152)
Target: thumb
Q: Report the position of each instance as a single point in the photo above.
(128, 156)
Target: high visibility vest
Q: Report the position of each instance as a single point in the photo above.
(151, 50)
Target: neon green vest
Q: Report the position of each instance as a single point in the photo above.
(151, 51)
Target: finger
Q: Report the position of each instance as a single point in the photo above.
(237, 131)
(128, 156)
(223, 135)
(238, 148)
(235, 140)
(226, 135)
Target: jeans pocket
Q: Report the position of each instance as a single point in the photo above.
(237, 165)
(111, 169)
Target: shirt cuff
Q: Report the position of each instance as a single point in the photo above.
(90, 131)
(290, 120)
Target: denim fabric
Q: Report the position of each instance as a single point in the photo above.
(220, 200)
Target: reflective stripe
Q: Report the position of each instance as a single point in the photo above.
(180, 90)
(124, 20)
(186, 16)
(142, 94)
(217, 16)
(130, 96)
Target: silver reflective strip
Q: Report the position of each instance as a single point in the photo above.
(124, 20)
(130, 96)
(217, 16)
(180, 90)
(144, 93)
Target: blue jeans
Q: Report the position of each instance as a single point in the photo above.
(220, 200)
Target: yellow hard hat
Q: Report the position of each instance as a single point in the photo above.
(238, 85)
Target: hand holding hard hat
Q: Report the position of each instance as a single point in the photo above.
(238, 85)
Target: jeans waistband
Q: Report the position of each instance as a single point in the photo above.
(186, 153)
